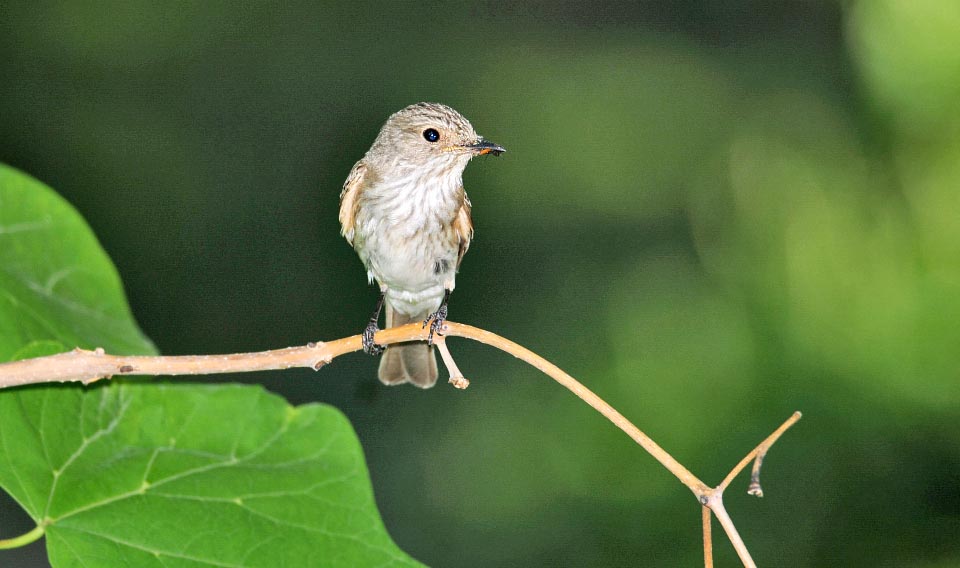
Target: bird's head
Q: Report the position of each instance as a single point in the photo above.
(432, 136)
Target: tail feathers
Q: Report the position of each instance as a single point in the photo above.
(413, 363)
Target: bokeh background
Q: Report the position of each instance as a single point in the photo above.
(712, 213)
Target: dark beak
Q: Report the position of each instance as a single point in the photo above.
(482, 147)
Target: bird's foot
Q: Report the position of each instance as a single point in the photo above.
(370, 347)
(436, 321)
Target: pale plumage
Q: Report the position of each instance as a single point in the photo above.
(403, 208)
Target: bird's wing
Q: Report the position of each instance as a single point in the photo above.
(463, 225)
(350, 200)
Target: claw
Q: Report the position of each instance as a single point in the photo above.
(436, 320)
(370, 347)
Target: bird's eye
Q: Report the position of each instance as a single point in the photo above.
(431, 135)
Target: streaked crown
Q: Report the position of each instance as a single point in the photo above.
(427, 134)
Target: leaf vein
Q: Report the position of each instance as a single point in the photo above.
(154, 551)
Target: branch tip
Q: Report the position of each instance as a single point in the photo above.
(757, 456)
(456, 377)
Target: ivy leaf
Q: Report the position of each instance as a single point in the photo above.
(140, 474)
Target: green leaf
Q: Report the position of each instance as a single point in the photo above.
(56, 282)
(162, 475)
(154, 474)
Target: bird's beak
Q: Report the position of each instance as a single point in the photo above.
(481, 147)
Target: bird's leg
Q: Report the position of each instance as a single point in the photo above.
(436, 319)
(369, 347)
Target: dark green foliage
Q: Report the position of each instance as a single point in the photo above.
(712, 213)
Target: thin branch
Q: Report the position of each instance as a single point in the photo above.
(715, 502)
(89, 366)
(707, 536)
(456, 377)
(712, 499)
(86, 366)
(758, 452)
(585, 394)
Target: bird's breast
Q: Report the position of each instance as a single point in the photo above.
(404, 232)
(406, 205)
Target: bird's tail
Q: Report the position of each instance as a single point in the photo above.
(407, 362)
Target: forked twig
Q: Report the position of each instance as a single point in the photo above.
(759, 452)
(89, 366)
(713, 498)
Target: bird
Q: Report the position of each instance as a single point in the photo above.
(404, 211)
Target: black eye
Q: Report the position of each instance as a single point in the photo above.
(431, 135)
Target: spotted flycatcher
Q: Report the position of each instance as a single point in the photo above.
(404, 210)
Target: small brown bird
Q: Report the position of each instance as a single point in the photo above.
(404, 210)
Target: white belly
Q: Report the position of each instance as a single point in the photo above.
(405, 238)
(414, 270)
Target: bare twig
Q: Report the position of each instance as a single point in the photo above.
(707, 536)
(713, 498)
(759, 452)
(89, 366)
(456, 377)
(715, 502)
(86, 366)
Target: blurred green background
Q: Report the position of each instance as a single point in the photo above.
(712, 213)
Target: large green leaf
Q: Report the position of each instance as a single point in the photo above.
(153, 474)
(56, 283)
(164, 475)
